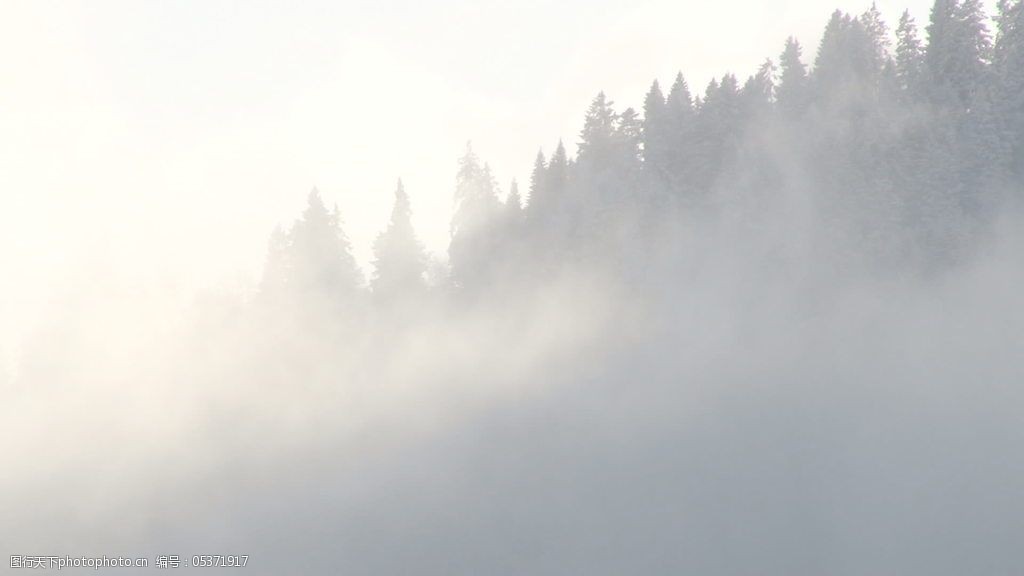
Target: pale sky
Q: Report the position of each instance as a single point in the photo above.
(163, 141)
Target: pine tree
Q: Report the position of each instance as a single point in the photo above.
(941, 31)
(1009, 29)
(758, 91)
(846, 63)
(514, 203)
(399, 259)
(829, 62)
(680, 134)
(878, 32)
(791, 93)
(557, 175)
(890, 87)
(629, 132)
(473, 244)
(909, 55)
(957, 53)
(972, 19)
(728, 101)
(549, 205)
(537, 181)
(679, 102)
(679, 112)
(1008, 62)
(596, 139)
(655, 129)
(718, 127)
(320, 258)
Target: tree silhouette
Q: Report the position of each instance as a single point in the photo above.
(399, 259)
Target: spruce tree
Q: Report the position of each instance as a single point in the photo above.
(846, 69)
(319, 255)
(596, 138)
(909, 55)
(628, 136)
(942, 34)
(399, 259)
(472, 248)
(655, 129)
(1008, 62)
(877, 30)
(680, 135)
(538, 176)
(957, 54)
(679, 102)
(718, 127)
(514, 203)
(791, 93)
(679, 111)
(557, 174)
(757, 94)
(1009, 24)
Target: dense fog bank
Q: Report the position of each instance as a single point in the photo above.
(757, 426)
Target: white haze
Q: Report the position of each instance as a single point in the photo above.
(747, 403)
(766, 426)
(164, 139)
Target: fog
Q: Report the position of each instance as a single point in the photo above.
(770, 327)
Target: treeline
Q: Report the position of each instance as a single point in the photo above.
(890, 150)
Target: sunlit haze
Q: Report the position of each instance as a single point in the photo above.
(165, 140)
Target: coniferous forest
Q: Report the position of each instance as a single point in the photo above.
(771, 325)
(876, 156)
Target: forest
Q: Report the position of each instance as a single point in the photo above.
(878, 157)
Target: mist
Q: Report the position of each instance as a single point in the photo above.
(770, 326)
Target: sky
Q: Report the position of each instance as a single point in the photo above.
(159, 143)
